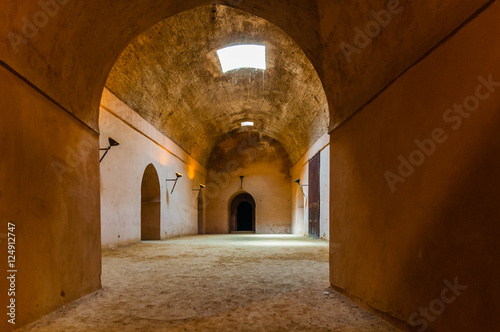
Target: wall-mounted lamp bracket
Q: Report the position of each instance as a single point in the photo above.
(112, 143)
(177, 177)
(202, 186)
(301, 185)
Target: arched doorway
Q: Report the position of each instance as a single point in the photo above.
(150, 205)
(242, 216)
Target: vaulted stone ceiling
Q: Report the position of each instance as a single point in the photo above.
(171, 76)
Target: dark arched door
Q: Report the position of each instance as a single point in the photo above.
(150, 205)
(201, 229)
(243, 214)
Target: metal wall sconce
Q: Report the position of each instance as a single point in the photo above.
(202, 186)
(301, 185)
(177, 177)
(112, 143)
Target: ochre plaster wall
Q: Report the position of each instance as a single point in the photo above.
(266, 168)
(49, 175)
(400, 251)
(384, 38)
(122, 171)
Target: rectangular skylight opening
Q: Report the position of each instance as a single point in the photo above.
(242, 56)
(247, 124)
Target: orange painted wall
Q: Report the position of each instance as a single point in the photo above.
(400, 248)
(49, 171)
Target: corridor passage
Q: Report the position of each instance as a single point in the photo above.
(215, 283)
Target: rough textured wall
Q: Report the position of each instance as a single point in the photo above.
(300, 212)
(122, 171)
(171, 75)
(266, 168)
(47, 158)
(426, 253)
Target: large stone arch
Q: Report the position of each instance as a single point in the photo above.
(69, 56)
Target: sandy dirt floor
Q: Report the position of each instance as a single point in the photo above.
(215, 283)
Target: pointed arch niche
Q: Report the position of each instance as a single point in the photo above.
(150, 204)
